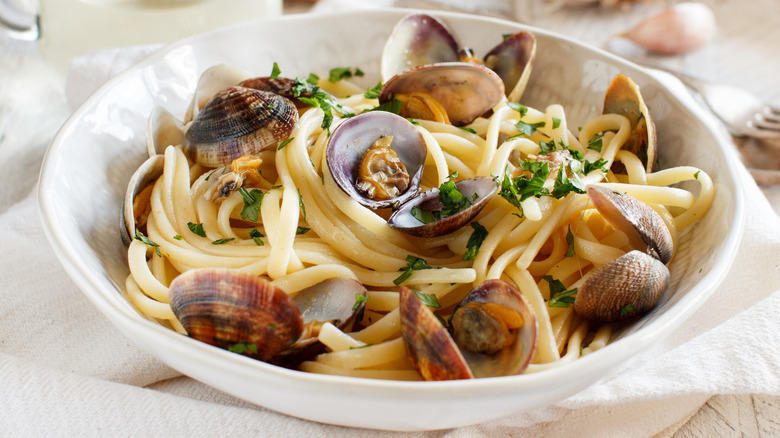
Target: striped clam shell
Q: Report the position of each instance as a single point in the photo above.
(224, 307)
(238, 121)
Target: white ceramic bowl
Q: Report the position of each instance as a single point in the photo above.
(90, 161)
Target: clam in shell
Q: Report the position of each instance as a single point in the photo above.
(625, 288)
(225, 307)
(624, 97)
(238, 122)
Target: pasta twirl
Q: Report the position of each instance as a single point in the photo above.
(291, 223)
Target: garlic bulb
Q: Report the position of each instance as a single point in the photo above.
(678, 29)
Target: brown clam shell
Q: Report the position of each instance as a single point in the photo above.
(224, 307)
(625, 288)
(417, 39)
(514, 358)
(642, 224)
(465, 90)
(238, 121)
(513, 61)
(624, 97)
(429, 345)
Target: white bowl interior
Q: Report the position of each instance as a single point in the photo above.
(90, 161)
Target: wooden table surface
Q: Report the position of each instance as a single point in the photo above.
(24, 77)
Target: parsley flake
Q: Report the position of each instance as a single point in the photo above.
(359, 305)
(275, 71)
(222, 241)
(256, 235)
(412, 264)
(559, 296)
(373, 93)
(285, 143)
(429, 300)
(596, 142)
(243, 348)
(252, 202)
(570, 243)
(146, 240)
(475, 241)
(196, 228)
(625, 310)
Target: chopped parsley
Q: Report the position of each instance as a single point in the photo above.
(285, 143)
(596, 142)
(565, 185)
(625, 310)
(275, 71)
(360, 299)
(475, 241)
(559, 296)
(471, 130)
(528, 129)
(556, 122)
(451, 199)
(196, 228)
(412, 264)
(373, 93)
(177, 237)
(300, 204)
(243, 348)
(569, 243)
(339, 73)
(588, 167)
(696, 175)
(302, 230)
(522, 109)
(256, 235)
(146, 240)
(429, 300)
(222, 241)
(252, 202)
(391, 106)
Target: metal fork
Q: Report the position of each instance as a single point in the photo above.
(743, 113)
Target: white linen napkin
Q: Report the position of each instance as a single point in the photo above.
(67, 371)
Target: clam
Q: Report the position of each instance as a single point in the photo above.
(227, 308)
(625, 288)
(434, 214)
(238, 121)
(624, 97)
(643, 226)
(135, 204)
(494, 333)
(464, 90)
(417, 39)
(162, 130)
(420, 40)
(377, 159)
(513, 60)
(334, 300)
(213, 79)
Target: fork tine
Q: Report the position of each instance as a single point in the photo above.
(771, 113)
(765, 123)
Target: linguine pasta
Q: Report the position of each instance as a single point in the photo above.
(307, 230)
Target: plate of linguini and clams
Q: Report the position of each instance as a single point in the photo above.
(435, 227)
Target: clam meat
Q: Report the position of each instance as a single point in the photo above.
(493, 333)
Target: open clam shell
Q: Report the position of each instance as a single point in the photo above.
(163, 130)
(350, 141)
(478, 191)
(429, 345)
(333, 300)
(513, 61)
(644, 227)
(624, 97)
(236, 122)
(625, 288)
(465, 90)
(143, 177)
(475, 329)
(224, 307)
(417, 39)
(213, 79)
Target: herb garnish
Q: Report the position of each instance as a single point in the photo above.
(222, 241)
(146, 240)
(285, 143)
(373, 93)
(252, 202)
(412, 264)
(391, 106)
(625, 310)
(528, 129)
(559, 296)
(301, 230)
(196, 228)
(522, 109)
(243, 348)
(475, 241)
(275, 71)
(429, 300)
(359, 300)
(256, 235)
(570, 243)
(596, 142)
(339, 73)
